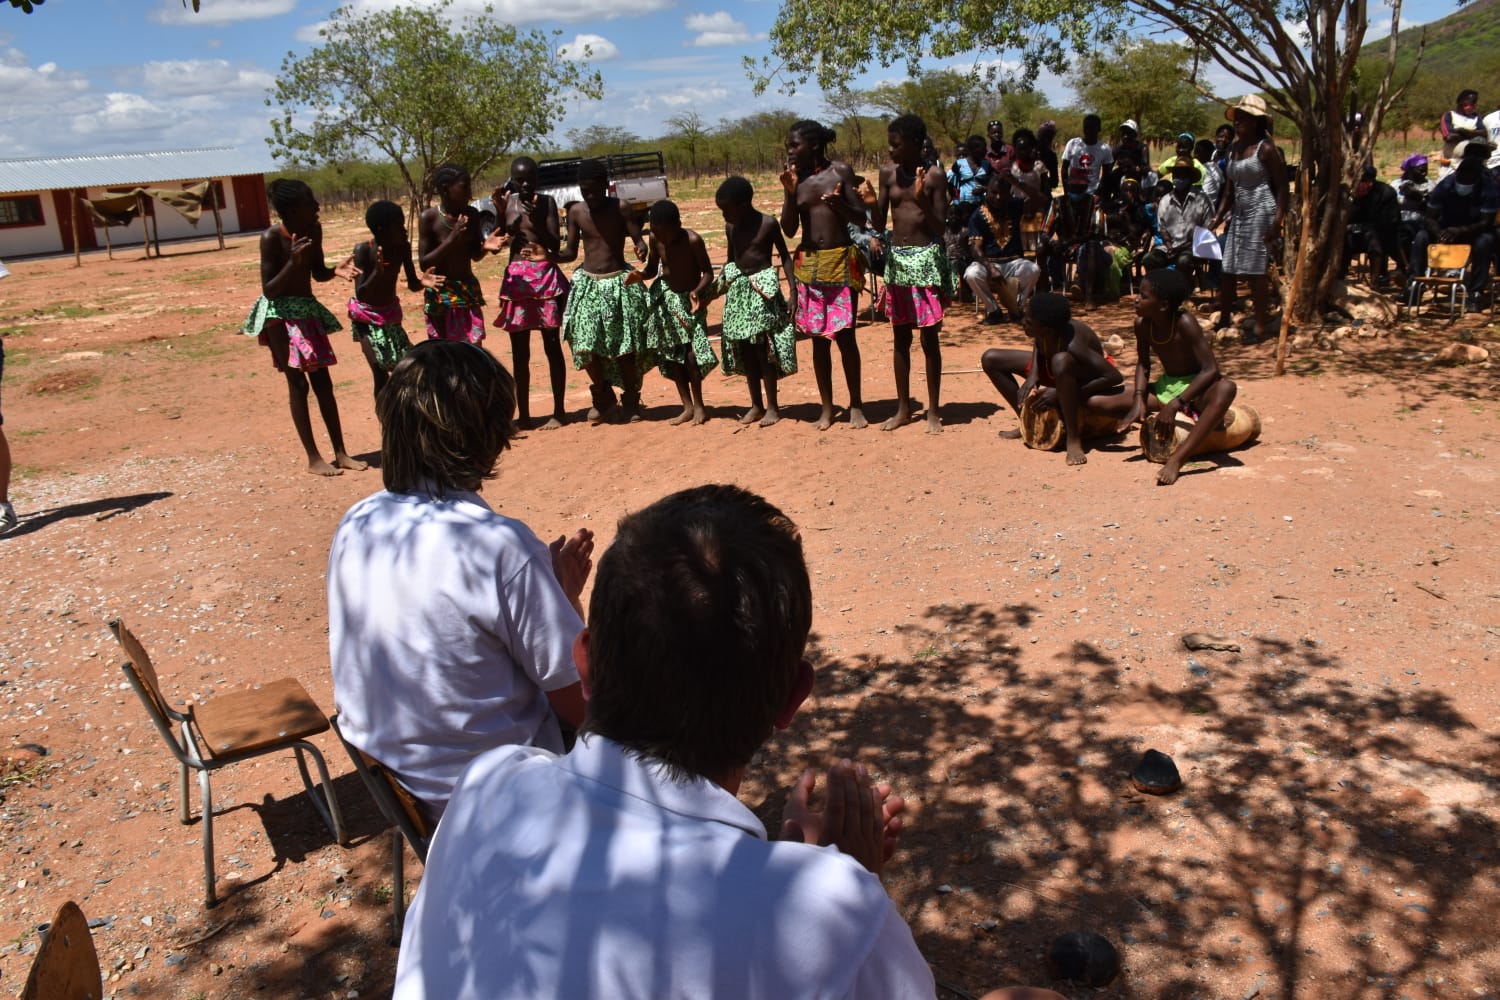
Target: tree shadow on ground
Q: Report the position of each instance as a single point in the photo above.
(99, 510)
(1308, 803)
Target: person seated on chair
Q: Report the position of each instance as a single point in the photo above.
(1213, 181)
(1461, 209)
(1458, 125)
(450, 626)
(998, 268)
(630, 867)
(1071, 236)
(1178, 214)
(1374, 225)
(1413, 187)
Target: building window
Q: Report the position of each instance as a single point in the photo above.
(21, 210)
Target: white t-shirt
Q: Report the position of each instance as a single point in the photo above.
(446, 628)
(597, 875)
(1091, 157)
(1491, 123)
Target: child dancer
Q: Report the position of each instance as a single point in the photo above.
(375, 309)
(758, 340)
(534, 288)
(822, 199)
(677, 321)
(918, 281)
(449, 240)
(604, 322)
(293, 324)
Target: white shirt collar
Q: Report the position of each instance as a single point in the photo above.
(606, 763)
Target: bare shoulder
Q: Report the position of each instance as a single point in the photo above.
(887, 173)
(1188, 325)
(1084, 336)
(694, 240)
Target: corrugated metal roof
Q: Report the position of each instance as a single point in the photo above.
(44, 173)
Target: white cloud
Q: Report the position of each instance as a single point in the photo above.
(718, 28)
(311, 33)
(598, 49)
(205, 77)
(529, 12)
(220, 11)
(121, 113)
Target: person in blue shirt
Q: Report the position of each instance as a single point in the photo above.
(970, 173)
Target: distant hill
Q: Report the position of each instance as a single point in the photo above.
(1463, 50)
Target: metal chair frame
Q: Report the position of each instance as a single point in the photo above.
(186, 743)
(1446, 264)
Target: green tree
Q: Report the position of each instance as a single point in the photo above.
(949, 101)
(601, 140)
(846, 110)
(690, 127)
(1154, 83)
(1299, 54)
(423, 90)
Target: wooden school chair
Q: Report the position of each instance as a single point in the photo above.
(272, 717)
(409, 825)
(1446, 264)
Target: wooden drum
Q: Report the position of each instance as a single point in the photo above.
(1241, 425)
(1043, 429)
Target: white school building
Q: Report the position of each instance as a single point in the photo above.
(39, 196)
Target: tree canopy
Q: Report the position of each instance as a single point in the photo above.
(949, 101)
(1153, 83)
(422, 89)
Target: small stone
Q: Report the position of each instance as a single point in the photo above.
(1462, 354)
(1083, 957)
(944, 889)
(1156, 774)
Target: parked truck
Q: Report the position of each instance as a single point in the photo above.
(639, 180)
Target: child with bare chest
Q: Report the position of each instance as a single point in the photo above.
(821, 198)
(605, 321)
(449, 240)
(375, 308)
(758, 340)
(534, 288)
(677, 327)
(918, 280)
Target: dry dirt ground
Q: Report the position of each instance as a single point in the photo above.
(997, 634)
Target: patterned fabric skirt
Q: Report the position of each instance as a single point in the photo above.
(756, 319)
(605, 320)
(307, 323)
(454, 311)
(678, 335)
(380, 327)
(828, 285)
(919, 284)
(1245, 250)
(532, 296)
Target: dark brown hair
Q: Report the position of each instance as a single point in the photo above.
(445, 417)
(698, 620)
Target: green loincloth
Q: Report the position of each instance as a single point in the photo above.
(605, 320)
(677, 334)
(756, 310)
(288, 307)
(920, 267)
(1168, 387)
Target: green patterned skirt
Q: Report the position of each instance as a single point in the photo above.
(756, 318)
(604, 321)
(677, 334)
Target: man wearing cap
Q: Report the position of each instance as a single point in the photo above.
(1130, 140)
(1461, 209)
(1087, 153)
(1374, 225)
(1183, 210)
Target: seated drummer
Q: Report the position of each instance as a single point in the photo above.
(998, 267)
(1190, 381)
(1066, 368)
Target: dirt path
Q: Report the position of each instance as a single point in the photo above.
(998, 634)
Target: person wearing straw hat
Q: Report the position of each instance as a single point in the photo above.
(1254, 201)
(1184, 210)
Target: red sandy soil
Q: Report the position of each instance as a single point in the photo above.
(997, 634)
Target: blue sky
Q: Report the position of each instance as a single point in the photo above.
(112, 75)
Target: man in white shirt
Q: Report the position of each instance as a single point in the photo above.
(628, 868)
(450, 627)
(1491, 125)
(1088, 153)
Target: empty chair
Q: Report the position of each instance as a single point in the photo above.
(275, 716)
(1446, 263)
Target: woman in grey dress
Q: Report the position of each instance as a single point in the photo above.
(1254, 200)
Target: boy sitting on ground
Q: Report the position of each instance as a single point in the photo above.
(1066, 368)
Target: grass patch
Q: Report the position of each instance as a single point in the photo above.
(208, 343)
